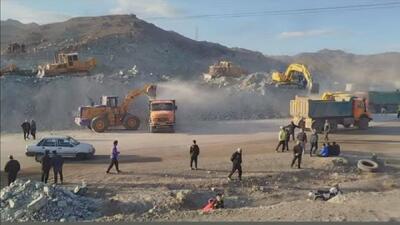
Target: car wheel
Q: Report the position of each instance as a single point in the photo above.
(81, 156)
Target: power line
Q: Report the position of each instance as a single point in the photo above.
(358, 7)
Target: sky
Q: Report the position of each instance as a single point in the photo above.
(366, 31)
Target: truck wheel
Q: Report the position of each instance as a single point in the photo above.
(367, 165)
(131, 122)
(99, 124)
(152, 129)
(317, 125)
(363, 123)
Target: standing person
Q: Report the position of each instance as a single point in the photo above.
(46, 166)
(114, 158)
(33, 129)
(313, 142)
(236, 159)
(282, 139)
(297, 154)
(292, 128)
(287, 139)
(327, 129)
(302, 138)
(26, 127)
(57, 162)
(12, 168)
(194, 153)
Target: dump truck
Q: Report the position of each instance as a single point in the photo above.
(66, 63)
(109, 113)
(162, 115)
(296, 76)
(347, 111)
(224, 69)
(378, 100)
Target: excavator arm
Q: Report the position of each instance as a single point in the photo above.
(148, 89)
(287, 77)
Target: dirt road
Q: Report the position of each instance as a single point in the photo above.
(156, 165)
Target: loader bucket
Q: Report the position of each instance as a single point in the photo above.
(152, 91)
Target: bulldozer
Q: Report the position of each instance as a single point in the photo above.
(224, 68)
(109, 113)
(66, 63)
(296, 76)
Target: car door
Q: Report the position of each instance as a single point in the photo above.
(50, 145)
(65, 148)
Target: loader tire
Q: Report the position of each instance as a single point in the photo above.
(363, 123)
(367, 165)
(131, 122)
(99, 124)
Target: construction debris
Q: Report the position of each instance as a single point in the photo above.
(36, 201)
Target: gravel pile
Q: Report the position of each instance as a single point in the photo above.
(36, 201)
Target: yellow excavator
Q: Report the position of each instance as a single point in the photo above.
(109, 114)
(296, 76)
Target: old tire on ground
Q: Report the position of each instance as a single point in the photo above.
(363, 123)
(99, 124)
(131, 122)
(367, 165)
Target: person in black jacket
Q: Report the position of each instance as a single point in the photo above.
(292, 128)
(26, 128)
(194, 153)
(236, 159)
(33, 129)
(57, 162)
(46, 166)
(12, 168)
(297, 153)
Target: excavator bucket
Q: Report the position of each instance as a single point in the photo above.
(152, 91)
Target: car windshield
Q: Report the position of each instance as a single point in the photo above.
(73, 141)
(162, 106)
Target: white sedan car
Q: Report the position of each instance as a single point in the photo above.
(65, 146)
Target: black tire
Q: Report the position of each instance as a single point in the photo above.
(367, 165)
(347, 125)
(82, 156)
(131, 122)
(363, 123)
(99, 124)
(318, 125)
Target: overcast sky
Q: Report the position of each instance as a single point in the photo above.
(239, 23)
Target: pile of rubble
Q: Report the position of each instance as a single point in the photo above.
(35, 201)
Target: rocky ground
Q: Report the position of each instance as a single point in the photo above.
(157, 185)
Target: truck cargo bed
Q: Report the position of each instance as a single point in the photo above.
(308, 108)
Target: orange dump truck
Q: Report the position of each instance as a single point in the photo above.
(162, 115)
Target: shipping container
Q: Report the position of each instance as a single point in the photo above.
(377, 100)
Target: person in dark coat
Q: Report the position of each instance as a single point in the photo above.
(313, 142)
(194, 153)
(287, 139)
(114, 158)
(12, 168)
(46, 166)
(335, 149)
(297, 154)
(57, 162)
(292, 128)
(26, 128)
(236, 159)
(219, 202)
(33, 129)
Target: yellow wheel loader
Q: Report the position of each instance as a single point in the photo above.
(296, 76)
(109, 114)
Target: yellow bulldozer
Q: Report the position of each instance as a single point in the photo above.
(66, 63)
(109, 114)
(224, 68)
(296, 76)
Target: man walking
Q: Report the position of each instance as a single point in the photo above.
(57, 162)
(297, 154)
(327, 129)
(282, 139)
(12, 168)
(26, 127)
(313, 142)
(302, 138)
(46, 166)
(114, 158)
(287, 139)
(292, 128)
(236, 159)
(194, 153)
(33, 129)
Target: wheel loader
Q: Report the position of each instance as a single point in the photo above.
(296, 76)
(109, 114)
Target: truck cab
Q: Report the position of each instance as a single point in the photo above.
(162, 115)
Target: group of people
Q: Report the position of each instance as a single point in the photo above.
(29, 129)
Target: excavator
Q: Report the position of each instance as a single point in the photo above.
(296, 76)
(109, 114)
